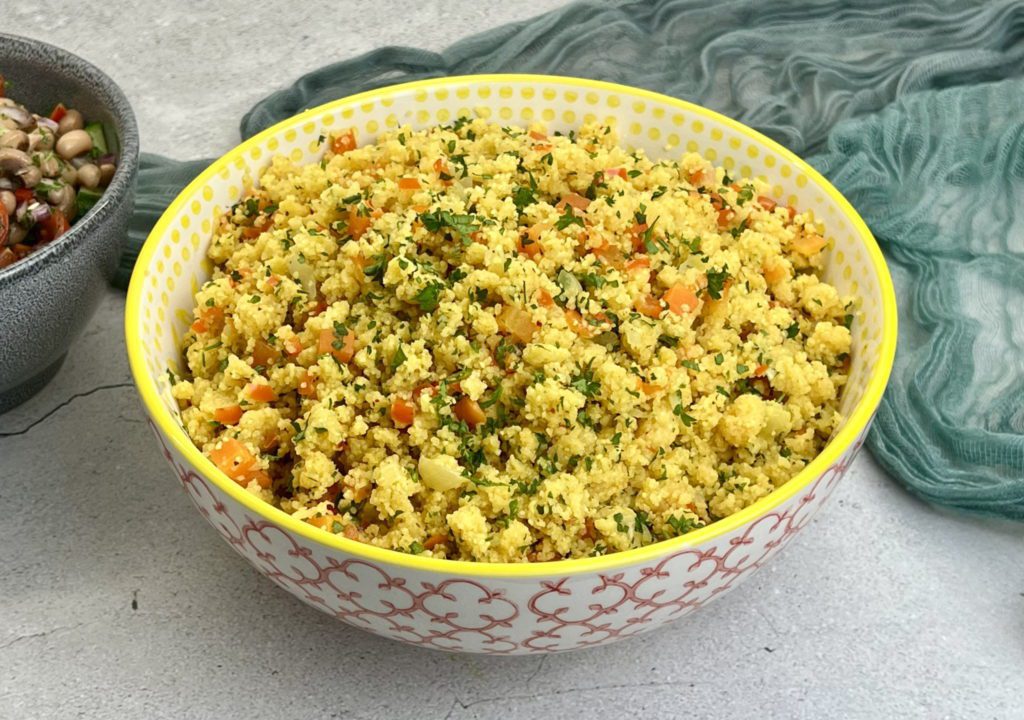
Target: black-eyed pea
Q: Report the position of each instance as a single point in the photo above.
(47, 163)
(106, 173)
(72, 120)
(9, 201)
(89, 176)
(17, 139)
(73, 143)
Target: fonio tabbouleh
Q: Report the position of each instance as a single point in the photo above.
(490, 343)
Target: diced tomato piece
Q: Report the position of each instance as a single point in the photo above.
(760, 370)
(235, 461)
(408, 183)
(264, 354)
(544, 298)
(24, 194)
(792, 213)
(434, 540)
(807, 244)
(344, 142)
(649, 389)
(774, 273)
(5, 225)
(578, 325)
(228, 415)
(53, 227)
(293, 346)
(211, 319)
(260, 392)
(538, 135)
(725, 217)
(608, 253)
(577, 202)
(469, 411)
(341, 348)
(638, 263)
(402, 412)
(516, 322)
(648, 305)
(616, 172)
(352, 532)
(58, 112)
(542, 147)
(307, 386)
(702, 178)
(767, 203)
(357, 224)
(680, 299)
(529, 248)
(318, 307)
(274, 280)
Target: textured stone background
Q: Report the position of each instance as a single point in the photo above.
(117, 600)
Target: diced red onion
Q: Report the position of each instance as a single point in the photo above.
(16, 113)
(39, 211)
(108, 159)
(21, 211)
(47, 123)
(79, 161)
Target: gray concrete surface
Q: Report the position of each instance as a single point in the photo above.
(118, 601)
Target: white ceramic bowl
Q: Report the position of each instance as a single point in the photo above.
(504, 608)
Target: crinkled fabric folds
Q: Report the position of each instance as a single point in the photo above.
(914, 110)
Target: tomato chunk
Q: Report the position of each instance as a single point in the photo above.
(408, 183)
(638, 263)
(544, 298)
(228, 415)
(357, 224)
(344, 142)
(402, 412)
(680, 299)
(577, 202)
(648, 305)
(516, 322)
(615, 172)
(264, 354)
(434, 540)
(53, 227)
(307, 386)
(342, 348)
(260, 392)
(578, 325)
(293, 346)
(235, 461)
(469, 411)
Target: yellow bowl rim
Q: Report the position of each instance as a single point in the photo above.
(857, 422)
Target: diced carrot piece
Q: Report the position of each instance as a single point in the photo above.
(408, 183)
(260, 392)
(538, 135)
(516, 322)
(228, 415)
(264, 354)
(701, 178)
(648, 305)
(341, 348)
(725, 217)
(434, 540)
(469, 411)
(615, 172)
(402, 412)
(235, 460)
(792, 213)
(807, 244)
(767, 203)
(344, 142)
(760, 370)
(680, 299)
(261, 478)
(638, 263)
(198, 326)
(544, 298)
(608, 253)
(274, 280)
(292, 346)
(307, 386)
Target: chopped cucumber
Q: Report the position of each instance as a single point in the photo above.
(86, 199)
(99, 138)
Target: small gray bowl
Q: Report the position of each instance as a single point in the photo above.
(47, 298)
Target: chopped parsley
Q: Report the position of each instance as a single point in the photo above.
(429, 297)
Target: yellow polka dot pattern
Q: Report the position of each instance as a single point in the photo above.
(662, 128)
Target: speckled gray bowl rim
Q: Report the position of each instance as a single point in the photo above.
(127, 161)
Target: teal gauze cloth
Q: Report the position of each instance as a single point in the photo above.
(915, 111)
